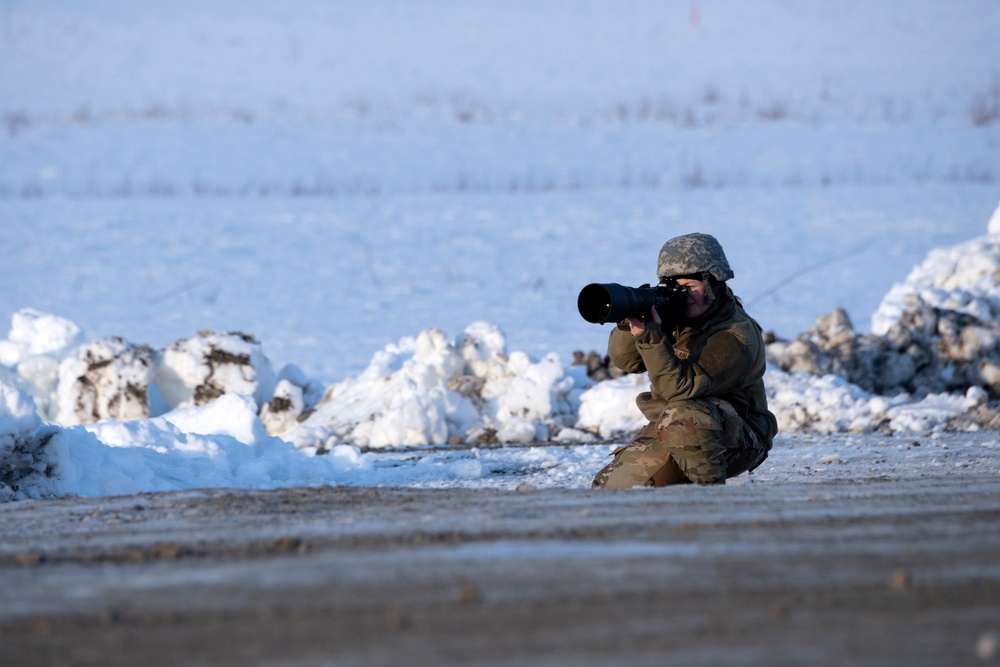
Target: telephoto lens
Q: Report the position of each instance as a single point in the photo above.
(610, 302)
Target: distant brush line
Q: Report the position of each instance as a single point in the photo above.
(981, 107)
(692, 179)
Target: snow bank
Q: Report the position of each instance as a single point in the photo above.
(963, 279)
(218, 445)
(423, 390)
(429, 390)
(937, 331)
(830, 404)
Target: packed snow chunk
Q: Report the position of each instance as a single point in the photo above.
(200, 369)
(106, 378)
(401, 398)
(528, 392)
(609, 408)
(518, 429)
(281, 414)
(482, 349)
(348, 454)
(24, 452)
(35, 333)
(412, 416)
(519, 400)
(32, 351)
(574, 435)
(295, 397)
(312, 390)
(435, 354)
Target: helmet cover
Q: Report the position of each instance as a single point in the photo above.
(693, 254)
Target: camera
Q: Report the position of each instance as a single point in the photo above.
(610, 302)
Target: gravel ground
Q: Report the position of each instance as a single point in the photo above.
(842, 550)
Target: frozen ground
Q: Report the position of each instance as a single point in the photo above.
(860, 563)
(842, 549)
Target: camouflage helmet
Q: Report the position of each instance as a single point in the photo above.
(693, 254)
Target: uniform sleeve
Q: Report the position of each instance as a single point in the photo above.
(623, 352)
(716, 368)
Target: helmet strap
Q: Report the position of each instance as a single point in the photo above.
(709, 288)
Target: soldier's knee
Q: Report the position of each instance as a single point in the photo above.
(634, 464)
(694, 418)
(694, 431)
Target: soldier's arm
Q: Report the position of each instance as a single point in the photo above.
(623, 353)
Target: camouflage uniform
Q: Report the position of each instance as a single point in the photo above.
(707, 411)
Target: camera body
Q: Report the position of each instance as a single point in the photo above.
(610, 302)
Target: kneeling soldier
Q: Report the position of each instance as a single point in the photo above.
(707, 410)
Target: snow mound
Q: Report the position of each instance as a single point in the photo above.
(35, 333)
(30, 355)
(963, 279)
(222, 444)
(938, 331)
(429, 390)
(74, 383)
(830, 404)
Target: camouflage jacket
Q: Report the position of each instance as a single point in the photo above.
(720, 354)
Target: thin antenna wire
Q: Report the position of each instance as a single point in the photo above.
(773, 289)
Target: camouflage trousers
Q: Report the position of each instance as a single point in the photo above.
(700, 440)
